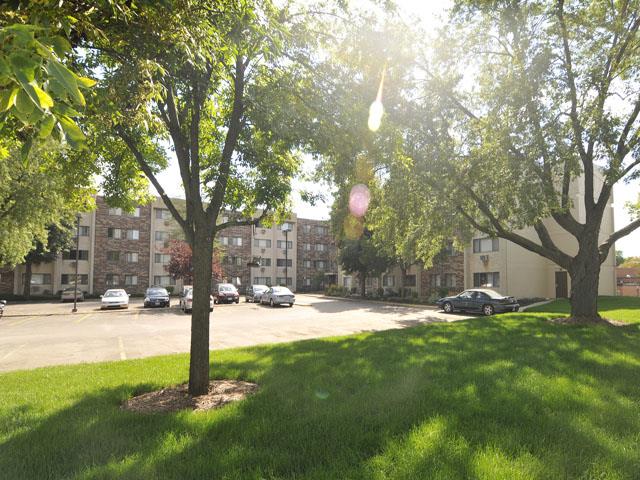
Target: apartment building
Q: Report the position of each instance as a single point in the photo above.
(129, 250)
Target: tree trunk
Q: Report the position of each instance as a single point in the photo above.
(26, 287)
(585, 277)
(363, 284)
(202, 273)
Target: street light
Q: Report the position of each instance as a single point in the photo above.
(75, 295)
(286, 228)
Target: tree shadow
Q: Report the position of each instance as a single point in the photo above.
(501, 397)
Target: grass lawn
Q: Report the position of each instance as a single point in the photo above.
(624, 309)
(506, 397)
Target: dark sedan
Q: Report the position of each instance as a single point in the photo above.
(156, 297)
(480, 300)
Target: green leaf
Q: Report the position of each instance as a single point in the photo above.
(86, 81)
(46, 126)
(26, 148)
(24, 103)
(24, 65)
(8, 98)
(60, 45)
(67, 79)
(71, 130)
(44, 99)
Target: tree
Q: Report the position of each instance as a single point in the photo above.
(217, 82)
(180, 265)
(619, 258)
(362, 257)
(59, 238)
(515, 123)
(631, 262)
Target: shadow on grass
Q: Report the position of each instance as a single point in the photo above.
(506, 397)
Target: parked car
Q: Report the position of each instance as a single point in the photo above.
(3, 303)
(156, 297)
(186, 302)
(114, 298)
(68, 294)
(481, 300)
(277, 296)
(254, 292)
(226, 293)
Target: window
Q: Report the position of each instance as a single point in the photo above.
(306, 263)
(113, 256)
(486, 279)
(306, 228)
(164, 280)
(449, 250)
(307, 282)
(84, 231)
(115, 211)
(322, 230)
(409, 280)
(134, 213)
(321, 264)
(232, 260)
(71, 255)
(131, 257)
(163, 214)
(161, 258)
(281, 262)
(306, 247)
(234, 241)
(321, 247)
(264, 262)
(436, 280)
(161, 236)
(346, 282)
(388, 281)
(261, 243)
(289, 244)
(69, 279)
(482, 245)
(450, 280)
(112, 280)
(131, 280)
(39, 278)
(262, 280)
(284, 281)
(133, 234)
(114, 233)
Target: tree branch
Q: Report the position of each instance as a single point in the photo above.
(604, 247)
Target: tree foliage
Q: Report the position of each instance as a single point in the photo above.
(180, 264)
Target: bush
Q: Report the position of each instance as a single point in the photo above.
(170, 289)
(336, 291)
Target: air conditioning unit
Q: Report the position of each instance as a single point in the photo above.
(263, 250)
(484, 259)
(262, 269)
(167, 222)
(263, 231)
(284, 252)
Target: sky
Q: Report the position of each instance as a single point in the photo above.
(430, 13)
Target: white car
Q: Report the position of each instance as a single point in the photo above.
(186, 302)
(114, 298)
(277, 296)
(68, 294)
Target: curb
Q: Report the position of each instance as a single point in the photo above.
(382, 302)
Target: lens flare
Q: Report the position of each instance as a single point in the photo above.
(359, 199)
(376, 110)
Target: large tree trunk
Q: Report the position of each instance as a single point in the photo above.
(363, 284)
(202, 273)
(585, 277)
(26, 287)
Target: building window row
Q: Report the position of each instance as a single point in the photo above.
(262, 281)
(282, 243)
(129, 257)
(318, 247)
(118, 233)
(281, 262)
(162, 214)
(38, 278)
(163, 258)
(318, 229)
(262, 243)
(233, 241)
(164, 280)
(71, 255)
(486, 279)
(161, 236)
(284, 281)
(84, 230)
(120, 212)
(113, 280)
(230, 260)
(484, 245)
(443, 280)
(70, 279)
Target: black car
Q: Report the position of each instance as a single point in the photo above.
(480, 300)
(156, 297)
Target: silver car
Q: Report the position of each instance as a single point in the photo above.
(254, 293)
(114, 298)
(278, 296)
(68, 294)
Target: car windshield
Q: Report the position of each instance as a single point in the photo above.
(157, 291)
(226, 288)
(114, 293)
(282, 291)
(260, 288)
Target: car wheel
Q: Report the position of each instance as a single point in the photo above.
(488, 310)
(211, 309)
(237, 301)
(447, 307)
(271, 303)
(290, 305)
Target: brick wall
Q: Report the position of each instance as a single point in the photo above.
(6, 281)
(230, 270)
(308, 233)
(443, 264)
(103, 244)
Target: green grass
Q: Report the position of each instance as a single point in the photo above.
(624, 309)
(506, 397)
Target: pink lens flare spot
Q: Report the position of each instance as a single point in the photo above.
(359, 199)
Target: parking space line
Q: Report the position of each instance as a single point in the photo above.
(13, 351)
(123, 355)
(21, 321)
(82, 318)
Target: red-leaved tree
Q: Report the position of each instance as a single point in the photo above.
(180, 265)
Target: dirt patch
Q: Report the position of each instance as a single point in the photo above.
(177, 398)
(588, 321)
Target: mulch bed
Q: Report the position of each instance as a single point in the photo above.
(581, 321)
(177, 398)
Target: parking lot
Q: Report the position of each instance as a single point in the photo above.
(39, 334)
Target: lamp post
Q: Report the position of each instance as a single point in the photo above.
(286, 228)
(75, 294)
